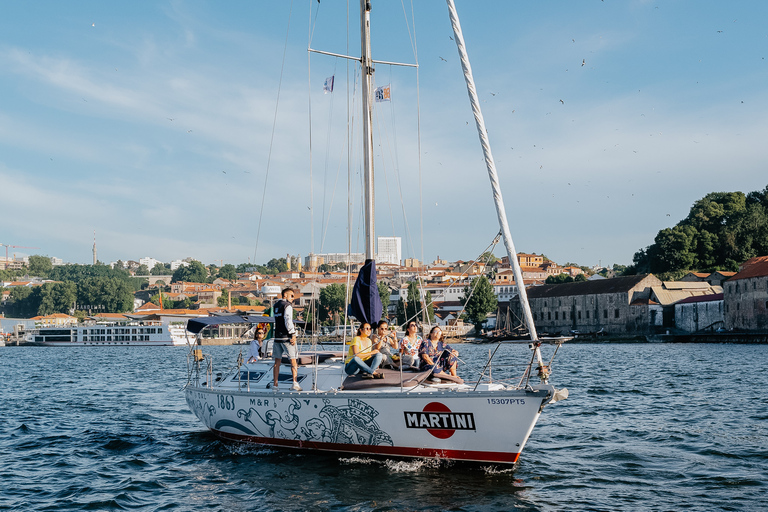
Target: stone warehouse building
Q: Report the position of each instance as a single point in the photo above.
(745, 297)
(621, 305)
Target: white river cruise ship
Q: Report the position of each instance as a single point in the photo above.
(132, 334)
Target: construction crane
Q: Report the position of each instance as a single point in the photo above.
(15, 247)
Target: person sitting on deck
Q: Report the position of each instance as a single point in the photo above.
(385, 342)
(362, 356)
(437, 355)
(410, 345)
(254, 351)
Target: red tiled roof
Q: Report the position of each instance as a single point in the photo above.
(754, 267)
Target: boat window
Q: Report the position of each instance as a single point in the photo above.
(252, 376)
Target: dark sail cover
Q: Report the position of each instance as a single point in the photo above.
(366, 302)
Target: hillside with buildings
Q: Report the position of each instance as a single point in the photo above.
(638, 305)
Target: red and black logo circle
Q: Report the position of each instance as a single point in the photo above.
(439, 420)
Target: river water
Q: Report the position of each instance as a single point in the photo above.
(646, 427)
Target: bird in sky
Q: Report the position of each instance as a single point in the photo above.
(583, 61)
(442, 59)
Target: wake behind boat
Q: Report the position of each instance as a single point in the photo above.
(403, 414)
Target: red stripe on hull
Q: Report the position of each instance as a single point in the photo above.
(396, 451)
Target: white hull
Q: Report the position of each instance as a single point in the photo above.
(168, 343)
(446, 421)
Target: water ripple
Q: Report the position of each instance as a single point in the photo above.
(661, 427)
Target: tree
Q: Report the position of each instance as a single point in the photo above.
(275, 265)
(195, 272)
(40, 266)
(115, 294)
(559, 279)
(228, 271)
(143, 270)
(488, 258)
(413, 307)
(721, 230)
(478, 301)
(158, 270)
(23, 302)
(400, 312)
(223, 300)
(333, 300)
(430, 307)
(57, 298)
(384, 296)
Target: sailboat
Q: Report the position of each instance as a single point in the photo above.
(402, 415)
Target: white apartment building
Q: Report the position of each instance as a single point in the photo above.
(149, 262)
(389, 250)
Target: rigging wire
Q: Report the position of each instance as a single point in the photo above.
(272, 136)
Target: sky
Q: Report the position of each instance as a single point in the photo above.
(176, 129)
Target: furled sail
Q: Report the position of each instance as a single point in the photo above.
(365, 304)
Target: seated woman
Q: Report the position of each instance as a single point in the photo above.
(362, 357)
(385, 342)
(254, 352)
(410, 345)
(437, 355)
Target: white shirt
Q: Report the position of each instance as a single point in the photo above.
(253, 350)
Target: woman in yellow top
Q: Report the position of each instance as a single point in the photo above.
(362, 356)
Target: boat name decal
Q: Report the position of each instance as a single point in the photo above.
(439, 420)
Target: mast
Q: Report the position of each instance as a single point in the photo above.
(367, 84)
(492, 174)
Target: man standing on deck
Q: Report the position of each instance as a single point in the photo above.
(285, 337)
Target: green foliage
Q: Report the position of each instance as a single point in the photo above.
(143, 270)
(384, 296)
(400, 312)
(580, 278)
(430, 307)
(488, 258)
(22, 302)
(277, 265)
(195, 272)
(721, 230)
(57, 298)
(333, 300)
(228, 271)
(40, 266)
(115, 294)
(481, 302)
(10, 275)
(559, 279)
(76, 273)
(411, 308)
(95, 285)
(159, 270)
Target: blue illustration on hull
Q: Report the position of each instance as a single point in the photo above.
(235, 425)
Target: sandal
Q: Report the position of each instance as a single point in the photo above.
(366, 376)
(378, 375)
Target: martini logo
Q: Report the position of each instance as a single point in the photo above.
(439, 420)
